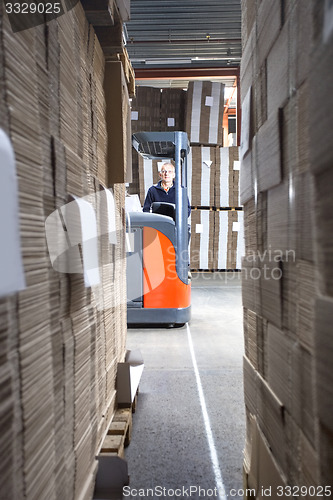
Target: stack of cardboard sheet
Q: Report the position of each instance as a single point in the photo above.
(204, 112)
(32, 325)
(217, 240)
(321, 168)
(100, 106)
(285, 188)
(227, 177)
(68, 84)
(135, 187)
(202, 176)
(120, 272)
(221, 244)
(202, 239)
(233, 226)
(212, 170)
(60, 346)
(154, 109)
(7, 409)
(118, 119)
(146, 110)
(172, 112)
(225, 239)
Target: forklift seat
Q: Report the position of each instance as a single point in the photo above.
(163, 208)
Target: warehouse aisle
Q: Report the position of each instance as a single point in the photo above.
(189, 427)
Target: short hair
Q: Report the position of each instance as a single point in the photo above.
(169, 164)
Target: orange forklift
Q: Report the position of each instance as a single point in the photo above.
(158, 284)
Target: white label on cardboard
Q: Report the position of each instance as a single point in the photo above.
(236, 165)
(11, 266)
(171, 122)
(199, 228)
(235, 226)
(134, 115)
(209, 101)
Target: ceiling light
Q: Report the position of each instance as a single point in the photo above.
(168, 61)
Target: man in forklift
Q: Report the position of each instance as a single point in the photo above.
(164, 190)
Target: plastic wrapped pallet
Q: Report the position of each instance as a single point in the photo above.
(204, 113)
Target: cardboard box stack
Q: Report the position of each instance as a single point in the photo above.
(213, 178)
(285, 177)
(173, 102)
(212, 170)
(61, 339)
(146, 110)
(204, 113)
(154, 110)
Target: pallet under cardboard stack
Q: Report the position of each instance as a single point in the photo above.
(287, 297)
(60, 347)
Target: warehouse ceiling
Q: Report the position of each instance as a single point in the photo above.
(174, 40)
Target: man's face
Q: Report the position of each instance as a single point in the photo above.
(167, 173)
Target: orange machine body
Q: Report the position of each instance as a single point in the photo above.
(162, 287)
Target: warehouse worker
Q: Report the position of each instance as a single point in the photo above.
(164, 190)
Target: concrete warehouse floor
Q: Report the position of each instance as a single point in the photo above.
(189, 427)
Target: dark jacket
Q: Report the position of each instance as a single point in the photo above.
(157, 193)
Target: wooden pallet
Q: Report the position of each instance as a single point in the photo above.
(119, 434)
